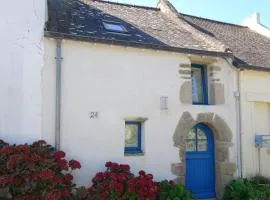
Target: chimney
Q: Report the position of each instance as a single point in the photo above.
(253, 19)
(256, 17)
(167, 8)
(254, 23)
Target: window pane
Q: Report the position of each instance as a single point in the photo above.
(191, 145)
(201, 134)
(131, 135)
(114, 27)
(192, 134)
(197, 85)
(202, 145)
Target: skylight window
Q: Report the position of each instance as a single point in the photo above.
(114, 26)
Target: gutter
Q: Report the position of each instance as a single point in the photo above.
(226, 55)
(256, 68)
(51, 34)
(58, 62)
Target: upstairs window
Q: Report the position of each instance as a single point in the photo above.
(114, 27)
(199, 85)
(133, 136)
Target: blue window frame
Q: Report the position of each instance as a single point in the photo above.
(199, 85)
(197, 140)
(133, 137)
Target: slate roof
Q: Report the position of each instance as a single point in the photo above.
(150, 28)
(249, 47)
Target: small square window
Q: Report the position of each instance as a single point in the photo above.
(133, 132)
(199, 85)
(114, 26)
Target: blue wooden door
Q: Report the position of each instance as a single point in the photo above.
(200, 162)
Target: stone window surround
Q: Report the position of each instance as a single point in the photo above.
(223, 141)
(216, 89)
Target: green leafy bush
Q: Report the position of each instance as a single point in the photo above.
(171, 191)
(248, 188)
(260, 179)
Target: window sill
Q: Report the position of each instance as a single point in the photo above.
(135, 119)
(201, 104)
(139, 153)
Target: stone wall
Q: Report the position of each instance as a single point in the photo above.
(216, 87)
(223, 141)
(216, 90)
(186, 88)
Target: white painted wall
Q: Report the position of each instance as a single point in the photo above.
(119, 82)
(21, 50)
(262, 126)
(255, 102)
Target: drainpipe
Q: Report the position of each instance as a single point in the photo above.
(58, 60)
(237, 96)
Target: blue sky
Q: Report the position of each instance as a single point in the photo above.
(233, 11)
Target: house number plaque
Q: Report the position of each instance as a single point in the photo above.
(93, 115)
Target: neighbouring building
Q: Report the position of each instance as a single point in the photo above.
(255, 111)
(22, 51)
(179, 96)
(254, 23)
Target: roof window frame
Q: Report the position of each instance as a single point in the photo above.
(109, 22)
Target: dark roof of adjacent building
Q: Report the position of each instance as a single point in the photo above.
(150, 28)
(249, 47)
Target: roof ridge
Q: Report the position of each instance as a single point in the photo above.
(126, 4)
(213, 20)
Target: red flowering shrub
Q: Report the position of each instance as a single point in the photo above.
(74, 164)
(35, 172)
(117, 182)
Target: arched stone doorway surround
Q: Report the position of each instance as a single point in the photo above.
(223, 142)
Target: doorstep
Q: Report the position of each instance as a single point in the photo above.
(208, 199)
